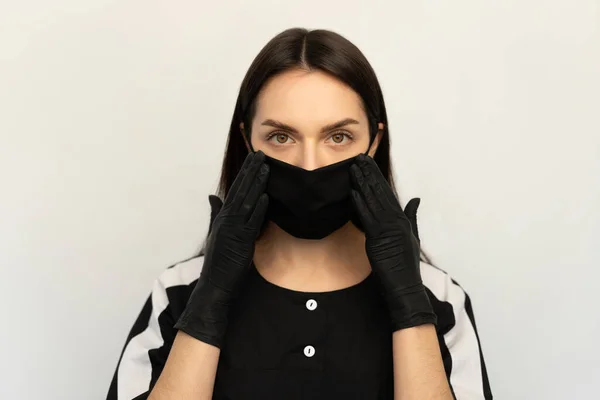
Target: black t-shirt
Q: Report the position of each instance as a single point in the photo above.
(286, 344)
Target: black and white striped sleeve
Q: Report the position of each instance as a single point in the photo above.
(457, 336)
(151, 337)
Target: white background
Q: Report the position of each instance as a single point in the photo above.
(113, 120)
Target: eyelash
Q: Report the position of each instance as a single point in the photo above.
(277, 133)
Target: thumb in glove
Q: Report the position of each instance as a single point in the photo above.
(215, 206)
(411, 213)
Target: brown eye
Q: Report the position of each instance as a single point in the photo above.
(280, 138)
(341, 138)
(338, 137)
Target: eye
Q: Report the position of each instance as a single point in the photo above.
(341, 137)
(281, 138)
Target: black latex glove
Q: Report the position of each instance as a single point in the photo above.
(229, 252)
(215, 206)
(391, 246)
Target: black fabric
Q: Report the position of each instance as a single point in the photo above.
(138, 327)
(310, 204)
(263, 352)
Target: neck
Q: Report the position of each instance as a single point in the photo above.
(342, 252)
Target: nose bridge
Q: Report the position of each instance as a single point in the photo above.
(310, 157)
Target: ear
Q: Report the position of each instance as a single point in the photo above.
(243, 131)
(376, 141)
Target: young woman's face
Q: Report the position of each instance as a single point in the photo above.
(309, 119)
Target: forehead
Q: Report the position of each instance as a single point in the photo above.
(315, 96)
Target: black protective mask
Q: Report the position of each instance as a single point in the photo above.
(310, 204)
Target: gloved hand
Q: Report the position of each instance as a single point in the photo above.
(392, 248)
(229, 252)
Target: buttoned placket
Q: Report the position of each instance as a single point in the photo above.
(311, 305)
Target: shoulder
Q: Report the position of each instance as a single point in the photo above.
(448, 298)
(441, 284)
(151, 337)
(181, 274)
(173, 287)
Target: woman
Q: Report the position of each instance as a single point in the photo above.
(310, 285)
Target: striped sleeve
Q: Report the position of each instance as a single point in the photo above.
(151, 337)
(457, 336)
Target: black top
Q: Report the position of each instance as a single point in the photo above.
(286, 344)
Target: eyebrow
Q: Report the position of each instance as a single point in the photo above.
(329, 127)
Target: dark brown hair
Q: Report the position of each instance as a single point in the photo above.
(321, 50)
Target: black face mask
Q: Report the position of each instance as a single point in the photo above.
(310, 204)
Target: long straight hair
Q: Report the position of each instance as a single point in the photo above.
(322, 50)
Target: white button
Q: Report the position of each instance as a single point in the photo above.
(311, 304)
(309, 351)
